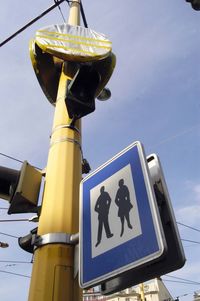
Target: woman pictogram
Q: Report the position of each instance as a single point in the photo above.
(122, 200)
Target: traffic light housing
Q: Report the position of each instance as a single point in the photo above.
(20, 188)
(80, 99)
(8, 179)
(87, 84)
(195, 4)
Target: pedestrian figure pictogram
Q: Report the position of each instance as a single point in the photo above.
(122, 200)
(102, 207)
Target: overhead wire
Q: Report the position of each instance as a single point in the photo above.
(193, 241)
(179, 278)
(16, 274)
(17, 160)
(31, 22)
(14, 220)
(16, 261)
(195, 229)
(60, 10)
(56, 4)
(183, 282)
(9, 235)
(83, 15)
(10, 157)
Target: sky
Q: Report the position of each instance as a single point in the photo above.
(155, 99)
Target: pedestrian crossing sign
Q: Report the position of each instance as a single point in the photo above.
(120, 227)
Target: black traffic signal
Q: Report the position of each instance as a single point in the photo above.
(195, 4)
(89, 83)
(20, 188)
(79, 102)
(80, 99)
(8, 180)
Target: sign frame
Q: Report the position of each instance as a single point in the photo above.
(174, 257)
(96, 270)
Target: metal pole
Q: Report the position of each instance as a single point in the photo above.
(142, 291)
(53, 267)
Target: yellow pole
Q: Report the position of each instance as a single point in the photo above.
(53, 268)
(142, 291)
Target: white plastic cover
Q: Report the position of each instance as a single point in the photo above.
(75, 43)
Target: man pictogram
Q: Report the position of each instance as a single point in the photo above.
(102, 207)
(122, 200)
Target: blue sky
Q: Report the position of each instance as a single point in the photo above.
(155, 99)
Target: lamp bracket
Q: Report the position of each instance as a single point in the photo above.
(55, 238)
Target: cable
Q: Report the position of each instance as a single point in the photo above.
(189, 129)
(14, 220)
(195, 242)
(195, 282)
(2, 233)
(180, 282)
(31, 22)
(195, 229)
(10, 157)
(57, 3)
(16, 274)
(60, 10)
(83, 15)
(15, 261)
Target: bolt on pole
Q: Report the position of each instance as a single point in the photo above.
(53, 268)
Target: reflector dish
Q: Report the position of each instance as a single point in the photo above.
(73, 43)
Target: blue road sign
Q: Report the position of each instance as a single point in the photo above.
(120, 227)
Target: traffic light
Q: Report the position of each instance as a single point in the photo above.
(90, 78)
(195, 4)
(87, 84)
(8, 180)
(80, 99)
(20, 188)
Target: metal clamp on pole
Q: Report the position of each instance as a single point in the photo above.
(55, 238)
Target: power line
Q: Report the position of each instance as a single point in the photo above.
(16, 274)
(195, 242)
(83, 15)
(60, 10)
(184, 282)
(195, 229)
(14, 159)
(2, 233)
(10, 157)
(16, 261)
(31, 22)
(189, 129)
(175, 277)
(57, 3)
(14, 220)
